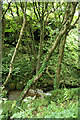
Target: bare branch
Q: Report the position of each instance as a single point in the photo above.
(17, 9)
(35, 12)
(6, 9)
(38, 10)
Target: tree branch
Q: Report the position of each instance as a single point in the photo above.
(51, 50)
(17, 9)
(6, 9)
(35, 12)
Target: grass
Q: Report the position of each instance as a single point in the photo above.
(61, 104)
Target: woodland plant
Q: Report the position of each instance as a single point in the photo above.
(40, 47)
(65, 106)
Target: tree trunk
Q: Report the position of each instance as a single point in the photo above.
(61, 50)
(3, 30)
(40, 47)
(0, 42)
(40, 72)
(6, 9)
(32, 43)
(14, 54)
(41, 18)
(3, 22)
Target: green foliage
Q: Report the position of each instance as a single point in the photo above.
(22, 67)
(62, 104)
(20, 71)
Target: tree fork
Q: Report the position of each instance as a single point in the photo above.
(40, 72)
(62, 46)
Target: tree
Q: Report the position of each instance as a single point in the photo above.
(42, 14)
(14, 54)
(17, 45)
(3, 21)
(66, 26)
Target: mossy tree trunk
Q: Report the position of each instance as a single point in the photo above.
(67, 23)
(41, 46)
(61, 51)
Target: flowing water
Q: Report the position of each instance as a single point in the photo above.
(14, 95)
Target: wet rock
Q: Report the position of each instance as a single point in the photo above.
(14, 95)
(37, 93)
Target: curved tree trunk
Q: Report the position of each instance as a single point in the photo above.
(40, 47)
(51, 50)
(14, 54)
(61, 51)
(40, 72)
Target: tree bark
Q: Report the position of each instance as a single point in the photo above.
(32, 41)
(41, 36)
(40, 47)
(40, 72)
(14, 54)
(61, 50)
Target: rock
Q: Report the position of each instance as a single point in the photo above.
(37, 93)
(48, 94)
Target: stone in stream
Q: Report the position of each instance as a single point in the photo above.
(13, 95)
(38, 93)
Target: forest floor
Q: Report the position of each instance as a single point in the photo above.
(63, 103)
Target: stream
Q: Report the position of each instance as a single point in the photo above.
(13, 95)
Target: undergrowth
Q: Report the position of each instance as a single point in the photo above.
(61, 104)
